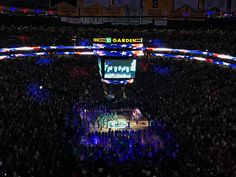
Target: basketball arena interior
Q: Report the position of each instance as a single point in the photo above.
(117, 88)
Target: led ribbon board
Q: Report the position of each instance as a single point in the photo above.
(98, 50)
(110, 40)
(118, 46)
(118, 53)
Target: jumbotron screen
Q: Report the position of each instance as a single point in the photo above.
(119, 69)
(100, 66)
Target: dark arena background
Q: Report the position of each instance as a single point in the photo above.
(108, 88)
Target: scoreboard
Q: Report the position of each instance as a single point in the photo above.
(116, 59)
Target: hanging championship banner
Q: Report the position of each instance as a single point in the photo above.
(220, 4)
(104, 3)
(119, 3)
(191, 3)
(133, 3)
(233, 6)
(88, 3)
(56, 2)
(179, 3)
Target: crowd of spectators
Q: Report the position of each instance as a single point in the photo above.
(199, 104)
(193, 100)
(211, 40)
(118, 151)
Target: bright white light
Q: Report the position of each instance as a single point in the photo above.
(24, 48)
(2, 57)
(40, 53)
(86, 53)
(199, 58)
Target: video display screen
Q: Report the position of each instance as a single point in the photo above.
(100, 66)
(119, 69)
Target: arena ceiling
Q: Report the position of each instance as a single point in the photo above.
(26, 3)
